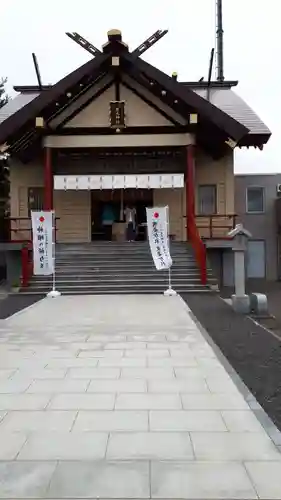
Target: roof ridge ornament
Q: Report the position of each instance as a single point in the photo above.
(83, 43)
(149, 42)
(115, 35)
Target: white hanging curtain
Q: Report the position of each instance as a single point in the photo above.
(91, 182)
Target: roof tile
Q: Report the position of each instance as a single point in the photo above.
(232, 104)
(15, 104)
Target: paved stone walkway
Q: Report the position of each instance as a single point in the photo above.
(122, 397)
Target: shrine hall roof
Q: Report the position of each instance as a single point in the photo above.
(223, 97)
(224, 117)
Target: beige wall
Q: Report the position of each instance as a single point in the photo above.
(155, 100)
(138, 113)
(77, 103)
(207, 171)
(96, 114)
(118, 140)
(73, 209)
(218, 172)
(21, 178)
(175, 199)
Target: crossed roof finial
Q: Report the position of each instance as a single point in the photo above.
(117, 36)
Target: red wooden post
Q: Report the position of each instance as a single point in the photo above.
(24, 266)
(48, 180)
(190, 188)
(192, 231)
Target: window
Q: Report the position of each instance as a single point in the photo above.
(255, 199)
(207, 199)
(35, 199)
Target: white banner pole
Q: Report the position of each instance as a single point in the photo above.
(169, 292)
(54, 293)
(54, 252)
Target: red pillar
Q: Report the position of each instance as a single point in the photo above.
(48, 180)
(190, 188)
(192, 232)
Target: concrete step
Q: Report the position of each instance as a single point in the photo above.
(117, 280)
(125, 251)
(117, 288)
(111, 267)
(124, 273)
(128, 291)
(120, 259)
(89, 247)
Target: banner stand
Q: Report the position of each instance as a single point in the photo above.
(54, 293)
(170, 292)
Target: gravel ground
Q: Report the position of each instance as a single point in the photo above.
(253, 352)
(14, 303)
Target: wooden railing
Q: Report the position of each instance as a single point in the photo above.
(215, 226)
(20, 231)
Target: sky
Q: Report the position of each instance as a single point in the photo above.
(252, 48)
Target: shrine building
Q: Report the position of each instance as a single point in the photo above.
(117, 131)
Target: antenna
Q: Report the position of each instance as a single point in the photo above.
(220, 69)
(37, 71)
(210, 72)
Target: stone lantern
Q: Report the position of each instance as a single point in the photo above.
(240, 237)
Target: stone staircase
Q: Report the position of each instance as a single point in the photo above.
(111, 267)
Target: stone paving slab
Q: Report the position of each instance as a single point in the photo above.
(201, 481)
(127, 402)
(64, 446)
(112, 421)
(101, 480)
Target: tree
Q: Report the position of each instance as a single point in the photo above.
(4, 170)
(3, 96)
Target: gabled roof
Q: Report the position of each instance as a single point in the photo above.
(224, 111)
(144, 71)
(223, 97)
(37, 106)
(231, 103)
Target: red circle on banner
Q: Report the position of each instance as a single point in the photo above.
(42, 218)
(156, 215)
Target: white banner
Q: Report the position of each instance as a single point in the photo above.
(42, 232)
(157, 230)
